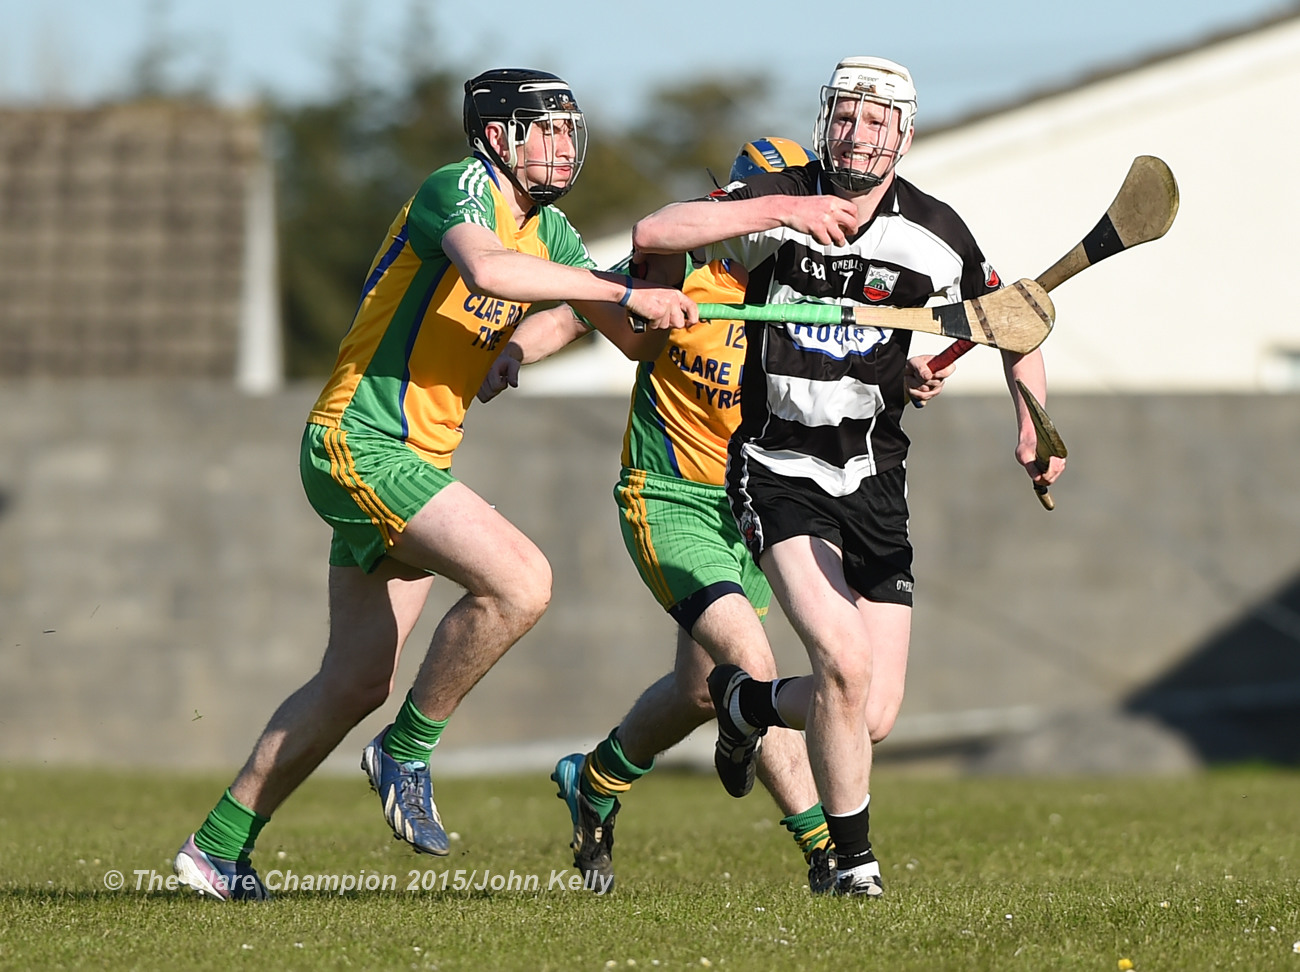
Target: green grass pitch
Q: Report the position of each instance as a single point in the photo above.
(1195, 873)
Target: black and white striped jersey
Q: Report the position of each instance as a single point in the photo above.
(826, 402)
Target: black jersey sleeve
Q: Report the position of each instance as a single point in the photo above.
(752, 249)
(799, 181)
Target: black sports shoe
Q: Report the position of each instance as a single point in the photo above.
(736, 750)
(593, 839)
(821, 870)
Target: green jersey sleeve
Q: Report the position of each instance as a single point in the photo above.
(455, 194)
(562, 241)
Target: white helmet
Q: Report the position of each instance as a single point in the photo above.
(873, 79)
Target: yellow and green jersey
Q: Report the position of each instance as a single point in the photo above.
(686, 403)
(421, 342)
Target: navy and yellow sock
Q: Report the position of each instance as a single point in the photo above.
(230, 831)
(808, 829)
(412, 736)
(607, 773)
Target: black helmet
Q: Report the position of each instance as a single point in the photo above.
(518, 97)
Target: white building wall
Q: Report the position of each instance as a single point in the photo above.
(1206, 308)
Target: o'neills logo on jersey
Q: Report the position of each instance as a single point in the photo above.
(880, 282)
(991, 278)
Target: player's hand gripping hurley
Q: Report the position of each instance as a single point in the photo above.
(1049, 442)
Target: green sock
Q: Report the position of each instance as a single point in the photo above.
(230, 831)
(808, 828)
(607, 772)
(412, 736)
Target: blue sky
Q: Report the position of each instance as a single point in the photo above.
(965, 56)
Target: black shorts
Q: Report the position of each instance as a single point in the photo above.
(869, 526)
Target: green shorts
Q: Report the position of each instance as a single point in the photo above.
(367, 487)
(684, 542)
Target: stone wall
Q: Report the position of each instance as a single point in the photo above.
(163, 581)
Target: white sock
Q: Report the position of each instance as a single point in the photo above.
(870, 869)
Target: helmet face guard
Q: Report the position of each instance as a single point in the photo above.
(873, 89)
(520, 100)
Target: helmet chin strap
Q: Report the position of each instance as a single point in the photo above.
(542, 194)
(855, 181)
(852, 180)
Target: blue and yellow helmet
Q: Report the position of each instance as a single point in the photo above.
(769, 155)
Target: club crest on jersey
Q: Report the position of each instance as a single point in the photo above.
(880, 282)
(991, 278)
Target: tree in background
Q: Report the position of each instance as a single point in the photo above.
(694, 129)
(345, 168)
(346, 164)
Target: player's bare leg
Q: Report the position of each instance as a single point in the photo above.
(371, 616)
(842, 634)
(889, 675)
(668, 711)
(665, 714)
(727, 631)
(507, 584)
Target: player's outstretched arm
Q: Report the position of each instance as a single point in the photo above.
(543, 333)
(1029, 369)
(683, 226)
(489, 268)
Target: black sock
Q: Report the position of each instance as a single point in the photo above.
(851, 837)
(757, 702)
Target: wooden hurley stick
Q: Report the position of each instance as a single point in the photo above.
(1143, 210)
(1016, 318)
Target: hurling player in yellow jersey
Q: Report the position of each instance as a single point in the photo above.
(462, 262)
(680, 532)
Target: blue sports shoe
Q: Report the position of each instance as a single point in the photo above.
(406, 792)
(593, 838)
(216, 877)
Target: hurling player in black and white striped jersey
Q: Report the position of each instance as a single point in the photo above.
(816, 471)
